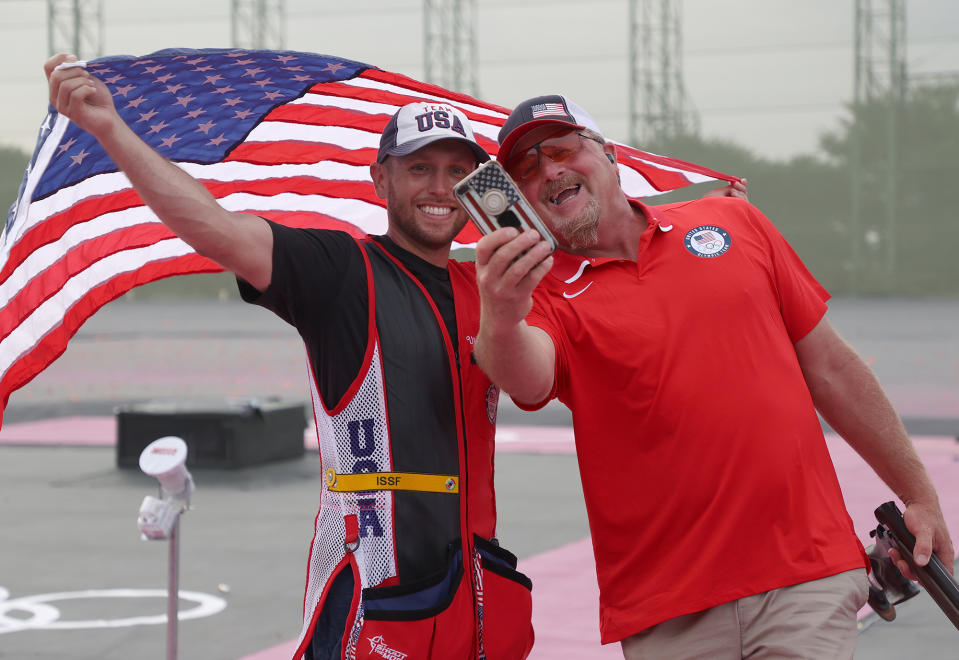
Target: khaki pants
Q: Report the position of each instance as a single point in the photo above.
(813, 620)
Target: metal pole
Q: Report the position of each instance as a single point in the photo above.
(51, 17)
(860, 84)
(77, 22)
(428, 41)
(896, 88)
(633, 76)
(234, 24)
(173, 592)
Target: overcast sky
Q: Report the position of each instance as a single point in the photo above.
(769, 74)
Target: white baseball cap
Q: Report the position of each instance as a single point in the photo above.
(416, 125)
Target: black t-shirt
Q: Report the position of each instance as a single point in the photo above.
(319, 285)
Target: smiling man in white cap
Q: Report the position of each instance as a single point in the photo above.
(404, 562)
(692, 347)
(424, 217)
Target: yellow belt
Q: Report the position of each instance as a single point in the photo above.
(429, 483)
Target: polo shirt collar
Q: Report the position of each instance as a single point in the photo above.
(569, 267)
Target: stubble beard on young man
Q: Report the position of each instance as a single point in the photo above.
(403, 221)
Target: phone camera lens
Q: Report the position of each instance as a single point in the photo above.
(494, 201)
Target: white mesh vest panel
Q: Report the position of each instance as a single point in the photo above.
(354, 440)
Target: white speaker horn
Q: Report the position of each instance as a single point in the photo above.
(165, 459)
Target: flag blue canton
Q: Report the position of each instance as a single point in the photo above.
(191, 105)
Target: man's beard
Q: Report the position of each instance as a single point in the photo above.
(582, 231)
(402, 219)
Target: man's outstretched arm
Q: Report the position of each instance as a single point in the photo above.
(850, 399)
(239, 242)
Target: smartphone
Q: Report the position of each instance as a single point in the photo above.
(493, 200)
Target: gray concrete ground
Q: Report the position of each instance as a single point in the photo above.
(69, 524)
(920, 630)
(68, 516)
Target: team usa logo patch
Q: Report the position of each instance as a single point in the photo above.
(707, 241)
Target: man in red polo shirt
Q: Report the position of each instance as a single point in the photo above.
(691, 345)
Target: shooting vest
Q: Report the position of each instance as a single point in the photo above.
(407, 495)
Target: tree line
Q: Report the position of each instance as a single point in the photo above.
(903, 238)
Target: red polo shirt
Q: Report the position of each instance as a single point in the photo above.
(704, 467)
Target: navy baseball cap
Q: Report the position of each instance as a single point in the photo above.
(416, 125)
(541, 111)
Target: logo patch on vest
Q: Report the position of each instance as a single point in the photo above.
(492, 403)
(707, 241)
(379, 646)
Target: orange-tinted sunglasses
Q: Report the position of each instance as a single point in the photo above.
(558, 149)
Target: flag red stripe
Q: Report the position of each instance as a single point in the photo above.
(302, 185)
(298, 153)
(46, 284)
(54, 343)
(417, 92)
(309, 219)
(56, 226)
(468, 235)
(312, 115)
(53, 229)
(670, 162)
(660, 179)
(418, 88)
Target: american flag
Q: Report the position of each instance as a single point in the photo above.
(285, 135)
(548, 110)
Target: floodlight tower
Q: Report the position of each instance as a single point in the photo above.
(449, 44)
(258, 23)
(75, 26)
(658, 105)
(880, 75)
